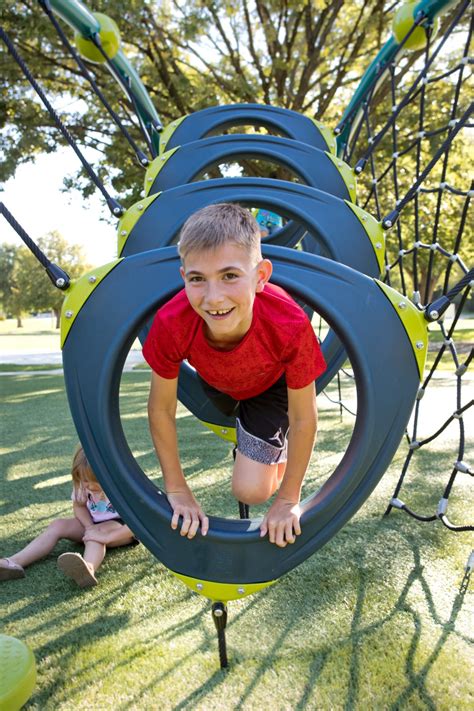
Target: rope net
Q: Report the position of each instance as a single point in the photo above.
(421, 110)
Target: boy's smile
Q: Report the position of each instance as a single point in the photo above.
(221, 285)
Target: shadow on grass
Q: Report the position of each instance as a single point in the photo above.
(291, 617)
(315, 589)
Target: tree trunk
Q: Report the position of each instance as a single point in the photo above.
(19, 322)
(57, 313)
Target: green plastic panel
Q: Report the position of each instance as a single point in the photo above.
(374, 231)
(414, 322)
(78, 293)
(130, 218)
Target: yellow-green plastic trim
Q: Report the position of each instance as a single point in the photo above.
(221, 592)
(414, 322)
(129, 219)
(327, 134)
(168, 131)
(374, 231)
(155, 167)
(348, 175)
(227, 433)
(78, 293)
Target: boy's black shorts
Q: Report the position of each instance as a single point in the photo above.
(262, 421)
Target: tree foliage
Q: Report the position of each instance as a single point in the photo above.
(24, 284)
(306, 56)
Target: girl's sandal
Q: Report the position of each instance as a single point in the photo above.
(9, 570)
(74, 565)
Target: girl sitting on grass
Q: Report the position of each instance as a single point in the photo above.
(95, 523)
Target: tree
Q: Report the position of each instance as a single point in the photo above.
(31, 289)
(300, 54)
(7, 259)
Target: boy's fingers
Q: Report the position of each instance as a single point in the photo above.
(186, 524)
(193, 528)
(174, 520)
(297, 527)
(289, 532)
(204, 525)
(280, 536)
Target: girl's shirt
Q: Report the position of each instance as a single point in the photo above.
(97, 503)
(280, 340)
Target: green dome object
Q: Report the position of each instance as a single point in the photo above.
(109, 36)
(17, 673)
(402, 24)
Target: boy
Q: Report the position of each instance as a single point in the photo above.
(257, 354)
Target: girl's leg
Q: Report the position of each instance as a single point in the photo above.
(94, 552)
(82, 568)
(43, 544)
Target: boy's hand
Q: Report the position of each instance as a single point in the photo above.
(184, 504)
(282, 522)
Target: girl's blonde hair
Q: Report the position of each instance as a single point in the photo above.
(81, 469)
(216, 225)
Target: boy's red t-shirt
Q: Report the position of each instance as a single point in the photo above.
(280, 340)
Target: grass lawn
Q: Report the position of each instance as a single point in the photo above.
(376, 619)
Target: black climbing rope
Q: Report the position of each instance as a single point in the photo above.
(58, 276)
(115, 207)
(141, 157)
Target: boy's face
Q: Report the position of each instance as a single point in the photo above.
(221, 285)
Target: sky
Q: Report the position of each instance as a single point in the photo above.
(35, 200)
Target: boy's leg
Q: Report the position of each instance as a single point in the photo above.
(254, 482)
(43, 544)
(260, 460)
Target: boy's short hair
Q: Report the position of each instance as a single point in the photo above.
(215, 225)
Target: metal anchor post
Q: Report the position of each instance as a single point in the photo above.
(219, 615)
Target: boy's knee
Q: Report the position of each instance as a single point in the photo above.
(251, 493)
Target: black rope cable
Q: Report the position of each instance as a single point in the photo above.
(141, 157)
(457, 241)
(447, 73)
(420, 18)
(364, 107)
(114, 206)
(421, 133)
(452, 527)
(126, 84)
(453, 259)
(444, 167)
(359, 167)
(437, 308)
(393, 216)
(58, 276)
(393, 164)
(338, 402)
(441, 429)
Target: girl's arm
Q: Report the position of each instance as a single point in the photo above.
(111, 533)
(162, 404)
(282, 521)
(81, 512)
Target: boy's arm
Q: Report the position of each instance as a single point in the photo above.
(282, 520)
(162, 403)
